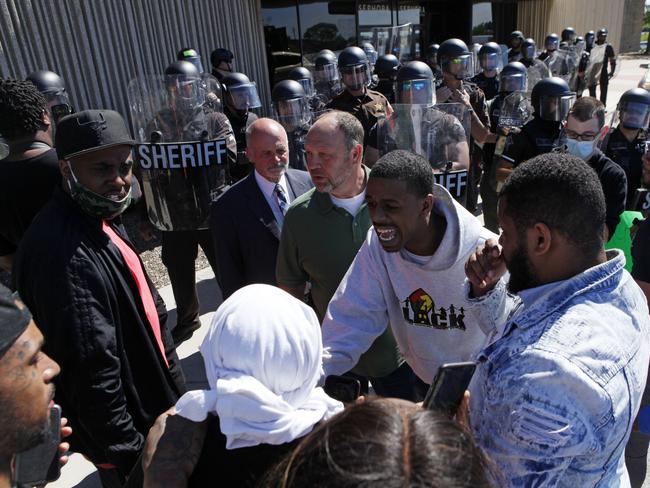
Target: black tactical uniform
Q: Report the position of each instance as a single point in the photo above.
(604, 74)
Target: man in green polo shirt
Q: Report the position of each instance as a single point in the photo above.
(322, 232)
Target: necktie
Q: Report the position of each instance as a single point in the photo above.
(282, 198)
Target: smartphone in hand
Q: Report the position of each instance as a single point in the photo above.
(40, 464)
(342, 388)
(448, 387)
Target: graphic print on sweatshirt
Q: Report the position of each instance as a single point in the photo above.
(420, 309)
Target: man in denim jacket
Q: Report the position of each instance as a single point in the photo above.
(558, 386)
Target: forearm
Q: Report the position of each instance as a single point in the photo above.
(295, 291)
(6, 262)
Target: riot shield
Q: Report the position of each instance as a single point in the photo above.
(504, 54)
(394, 40)
(434, 133)
(515, 111)
(564, 64)
(184, 147)
(536, 73)
(4, 149)
(595, 65)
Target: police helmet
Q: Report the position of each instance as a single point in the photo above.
(290, 106)
(354, 68)
(304, 77)
(579, 39)
(371, 52)
(517, 35)
(589, 39)
(325, 66)
(568, 34)
(184, 68)
(181, 80)
(489, 56)
(414, 84)
(52, 87)
(634, 108)
(552, 99)
(431, 53)
(190, 54)
(455, 59)
(47, 82)
(387, 66)
(241, 91)
(551, 42)
(513, 77)
(528, 49)
(602, 32)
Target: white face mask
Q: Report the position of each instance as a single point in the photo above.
(581, 149)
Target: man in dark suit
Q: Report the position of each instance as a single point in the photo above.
(247, 219)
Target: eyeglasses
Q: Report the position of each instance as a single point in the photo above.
(588, 136)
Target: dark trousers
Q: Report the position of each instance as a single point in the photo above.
(179, 252)
(402, 383)
(604, 83)
(636, 451)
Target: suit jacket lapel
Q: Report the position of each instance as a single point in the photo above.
(260, 207)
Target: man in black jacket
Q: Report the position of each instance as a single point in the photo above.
(102, 319)
(585, 127)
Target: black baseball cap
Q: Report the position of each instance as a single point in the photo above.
(13, 320)
(90, 130)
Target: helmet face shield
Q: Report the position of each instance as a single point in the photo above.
(196, 61)
(326, 72)
(490, 61)
(460, 67)
(292, 114)
(184, 91)
(371, 55)
(244, 97)
(308, 86)
(415, 92)
(555, 107)
(513, 82)
(528, 51)
(634, 115)
(551, 44)
(356, 77)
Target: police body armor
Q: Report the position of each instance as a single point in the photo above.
(435, 133)
(184, 147)
(296, 139)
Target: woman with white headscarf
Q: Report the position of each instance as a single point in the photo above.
(263, 358)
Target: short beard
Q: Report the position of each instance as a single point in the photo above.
(522, 275)
(16, 436)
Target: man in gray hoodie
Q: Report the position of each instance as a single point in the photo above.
(409, 273)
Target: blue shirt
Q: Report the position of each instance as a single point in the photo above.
(558, 387)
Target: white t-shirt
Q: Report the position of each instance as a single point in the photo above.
(351, 205)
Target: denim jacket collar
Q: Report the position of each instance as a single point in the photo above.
(539, 302)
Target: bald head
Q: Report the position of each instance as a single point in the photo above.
(267, 148)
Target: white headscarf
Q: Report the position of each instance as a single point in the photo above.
(263, 357)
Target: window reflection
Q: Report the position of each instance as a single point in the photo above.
(482, 26)
(327, 25)
(282, 37)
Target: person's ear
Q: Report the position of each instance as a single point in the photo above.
(357, 153)
(427, 204)
(64, 168)
(540, 239)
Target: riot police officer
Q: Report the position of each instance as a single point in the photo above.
(366, 105)
(305, 78)
(568, 37)
(609, 66)
(386, 69)
(433, 133)
(551, 99)
(221, 61)
(51, 85)
(326, 75)
(516, 38)
(528, 51)
(454, 58)
(490, 60)
(551, 44)
(371, 53)
(240, 96)
(291, 108)
(431, 58)
(190, 54)
(626, 144)
(186, 119)
(512, 78)
(590, 38)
